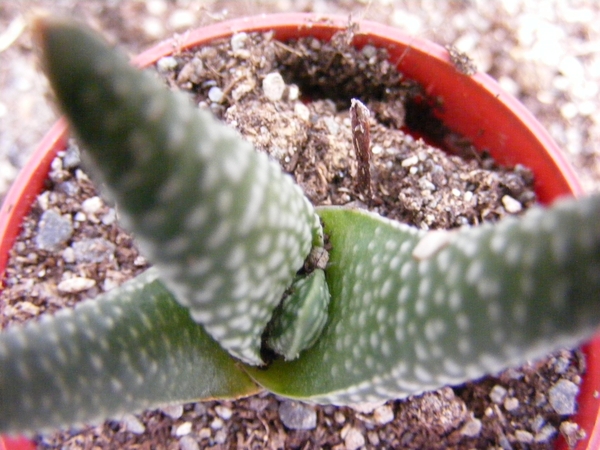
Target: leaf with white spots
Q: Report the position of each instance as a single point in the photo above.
(225, 227)
(300, 318)
(122, 352)
(489, 297)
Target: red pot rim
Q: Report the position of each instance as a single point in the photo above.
(474, 106)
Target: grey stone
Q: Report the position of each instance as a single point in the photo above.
(238, 41)
(511, 403)
(72, 157)
(68, 187)
(110, 217)
(545, 433)
(561, 364)
(188, 443)
(571, 432)
(54, 230)
(184, 429)
(353, 439)
(426, 185)
(563, 396)
(68, 255)
(273, 86)
(505, 443)
(92, 205)
(472, 428)
(173, 411)
(166, 64)
(215, 94)
(220, 437)
(224, 412)
(383, 414)
(75, 285)
(297, 416)
(524, 436)
(93, 250)
(497, 394)
(133, 424)
(216, 424)
(511, 205)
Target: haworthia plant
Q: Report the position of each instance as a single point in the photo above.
(301, 317)
(226, 228)
(228, 232)
(413, 310)
(129, 349)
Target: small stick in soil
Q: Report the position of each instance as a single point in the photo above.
(361, 138)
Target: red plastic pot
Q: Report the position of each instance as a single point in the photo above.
(473, 106)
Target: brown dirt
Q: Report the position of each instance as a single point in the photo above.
(412, 182)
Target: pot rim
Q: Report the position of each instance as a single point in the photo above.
(493, 119)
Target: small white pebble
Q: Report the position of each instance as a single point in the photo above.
(293, 92)
(410, 161)
(79, 217)
(173, 411)
(188, 443)
(373, 438)
(497, 394)
(133, 424)
(204, 433)
(302, 111)
(109, 284)
(384, 414)
(238, 41)
(353, 439)
(545, 433)
(91, 205)
(166, 64)
(223, 412)
(220, 437)
(216, 424)
(511, 205)
(28, 308)
(75, 285)
(43, 200)
(68, 255)
(183, 429)
(339, 417)
(511, 403)
(472, 428)
(563, 397)
(571, 432)
(273, 86)
(369, 51)
(56, 164)
(215, 94)
(366, 407)
(110, 217)
(524, 436)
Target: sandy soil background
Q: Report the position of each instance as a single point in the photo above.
(545, 53)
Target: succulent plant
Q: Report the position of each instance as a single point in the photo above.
(233, 240)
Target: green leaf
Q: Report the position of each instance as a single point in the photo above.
(298, 322)
(225, 227)
(412, 311)
(115, 354)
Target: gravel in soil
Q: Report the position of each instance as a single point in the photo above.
(283, 92)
